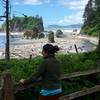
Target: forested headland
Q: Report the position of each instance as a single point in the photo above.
(25, 23)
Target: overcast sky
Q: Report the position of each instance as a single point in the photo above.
(60, 12)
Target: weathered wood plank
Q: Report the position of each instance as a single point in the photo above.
(81, 73)
(0, 93)
(8, 87)
(81, 93)
(65, 76)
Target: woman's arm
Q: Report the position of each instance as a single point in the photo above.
(34, 77)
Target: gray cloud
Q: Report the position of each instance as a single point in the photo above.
(74, 4)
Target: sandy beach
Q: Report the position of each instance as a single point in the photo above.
(24, 48)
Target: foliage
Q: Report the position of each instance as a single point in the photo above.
(24, 69)
(75, 84)
(73, 62)
(70, 63)
(91, 17)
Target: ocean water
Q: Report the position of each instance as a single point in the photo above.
(3, 40)
(3, 37)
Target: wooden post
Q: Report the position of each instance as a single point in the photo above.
(1, 88)
(7, 51)
(8, 93)
(30, 58)
(76, 48)
(98, 64)
(97, 96)
(1, 95)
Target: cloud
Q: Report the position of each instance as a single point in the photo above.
(74, 4)
(71, 19)
(47, 1)
(16, 3)
(35, 2)
(32, 2)
(74, 18)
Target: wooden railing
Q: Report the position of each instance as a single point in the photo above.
(7, 91)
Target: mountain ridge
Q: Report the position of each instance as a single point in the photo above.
(67, 26)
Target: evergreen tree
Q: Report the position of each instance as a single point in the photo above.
(91, 18)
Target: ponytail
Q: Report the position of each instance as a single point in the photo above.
(50, 48)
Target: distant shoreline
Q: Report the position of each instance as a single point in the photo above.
(54, 30)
